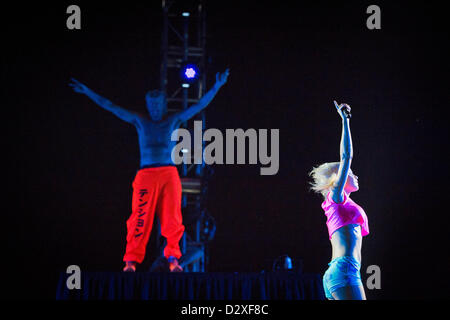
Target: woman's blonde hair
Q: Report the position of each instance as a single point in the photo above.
(324, 177)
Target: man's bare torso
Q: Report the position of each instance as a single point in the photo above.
(155, 140)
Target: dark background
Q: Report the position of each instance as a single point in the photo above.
(69, 164)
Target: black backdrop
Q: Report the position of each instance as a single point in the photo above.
(70, 164)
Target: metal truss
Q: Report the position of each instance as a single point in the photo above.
(184, 41)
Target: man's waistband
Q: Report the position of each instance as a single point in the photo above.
(157, 165)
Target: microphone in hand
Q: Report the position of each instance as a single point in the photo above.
(345, 109)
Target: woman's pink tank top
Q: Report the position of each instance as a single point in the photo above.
(344, 213)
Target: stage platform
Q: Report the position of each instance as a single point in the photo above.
(193, 286)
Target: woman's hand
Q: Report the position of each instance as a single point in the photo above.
(340, 109)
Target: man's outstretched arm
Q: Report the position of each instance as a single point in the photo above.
(221, 79)
(121, 113)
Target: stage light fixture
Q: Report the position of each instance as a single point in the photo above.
(189, 73)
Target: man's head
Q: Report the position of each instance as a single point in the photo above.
(156, 104)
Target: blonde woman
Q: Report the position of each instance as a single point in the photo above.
(346, 221)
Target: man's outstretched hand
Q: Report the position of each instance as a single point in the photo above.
(221, 78)
(78, 86)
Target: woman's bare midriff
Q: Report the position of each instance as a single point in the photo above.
(347, 241)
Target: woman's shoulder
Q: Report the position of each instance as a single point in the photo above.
(336, 198)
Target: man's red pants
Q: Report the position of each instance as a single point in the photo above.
(155, 190)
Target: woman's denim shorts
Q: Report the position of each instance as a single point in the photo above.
(342, 271)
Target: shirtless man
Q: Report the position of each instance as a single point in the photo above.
(157, 185)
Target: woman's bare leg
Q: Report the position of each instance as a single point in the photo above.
(350, 293)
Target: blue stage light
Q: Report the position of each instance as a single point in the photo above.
(189, 73)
